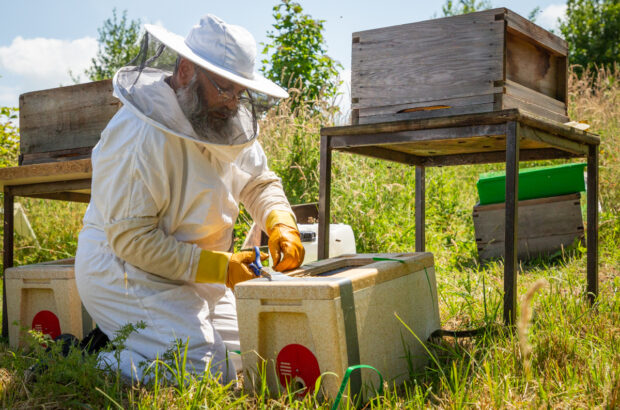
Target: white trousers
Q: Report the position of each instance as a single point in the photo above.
(116, 293)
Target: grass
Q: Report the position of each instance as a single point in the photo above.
(564, 354)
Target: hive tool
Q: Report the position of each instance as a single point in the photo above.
(257, 266)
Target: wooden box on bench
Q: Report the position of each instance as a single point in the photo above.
(478, 62)
(64, 123)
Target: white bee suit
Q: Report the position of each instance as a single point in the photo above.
(160, 194)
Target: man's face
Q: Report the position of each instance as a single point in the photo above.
(208, 101)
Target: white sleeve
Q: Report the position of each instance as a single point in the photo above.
(260, 189)
(130, 193)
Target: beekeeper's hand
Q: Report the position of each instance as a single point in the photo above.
(285, 245)
(225, 267)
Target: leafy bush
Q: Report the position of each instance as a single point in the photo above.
(298, 60)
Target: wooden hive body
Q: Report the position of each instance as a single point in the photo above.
(342, 310)
(64, 123)
(546, 225)
(478, 62)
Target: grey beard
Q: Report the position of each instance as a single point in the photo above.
(206, 126)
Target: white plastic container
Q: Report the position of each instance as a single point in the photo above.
(341, 240)
(44, 297)
(335, 313)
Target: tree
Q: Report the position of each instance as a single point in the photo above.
(592, 30)
(451, 8)
(118, 45)
(298, 56)
(9, 137)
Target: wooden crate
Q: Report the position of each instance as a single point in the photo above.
(545, 226)
(64, 123)
(478, 62)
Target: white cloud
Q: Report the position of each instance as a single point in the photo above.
(9, 96)
(47, 58)
(548, 18)
(40, 63)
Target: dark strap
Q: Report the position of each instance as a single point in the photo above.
(347, 303)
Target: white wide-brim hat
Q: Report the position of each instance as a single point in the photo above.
(224, 49)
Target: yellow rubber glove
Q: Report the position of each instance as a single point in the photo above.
(284, 241)
(224, 267)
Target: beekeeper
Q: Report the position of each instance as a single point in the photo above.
(169, 173)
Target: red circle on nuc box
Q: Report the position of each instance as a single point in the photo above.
(297, 367)
(47, 323)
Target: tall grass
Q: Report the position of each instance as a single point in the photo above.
(569, 356)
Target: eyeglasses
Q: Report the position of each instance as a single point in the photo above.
(225, 96)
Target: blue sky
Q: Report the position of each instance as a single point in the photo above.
(41, 40)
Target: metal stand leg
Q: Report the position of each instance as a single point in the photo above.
(592, 232)
(324, 197)
(420, 209)
(510, 254)
(7, 257)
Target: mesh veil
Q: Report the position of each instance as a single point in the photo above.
(142, 84)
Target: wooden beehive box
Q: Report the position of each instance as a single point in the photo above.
(478, 62)
(64, 123)
(545, 226)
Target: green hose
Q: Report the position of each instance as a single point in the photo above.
(345, 381)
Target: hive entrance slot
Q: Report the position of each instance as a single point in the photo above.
(427, 108)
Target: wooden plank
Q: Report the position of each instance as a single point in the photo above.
(50, 187)
(496, 117)
(509, 101)
(448, 102)
(7, 255)
(531, 247)
(511, 230)
(530, 202)
(427, 44)
(55, 156)
(325, 182)
(545, 226)
(377, 94)
(555, 128)
(521, 92)
(539, 217)
(494, 157)
(63, 196)
(531, 66)
(431, 136)
(536, 33)
(38, 173)
(466, 145)
(65, 117)
(428, 60)
(455, 146)
(420, 209)
(592, 235)
(532, 134)
(386, 154)
(481, 16)
(468, 109)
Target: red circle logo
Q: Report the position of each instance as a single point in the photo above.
(47, 323)
(297, 367)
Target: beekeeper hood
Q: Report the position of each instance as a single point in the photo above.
(226, 50)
